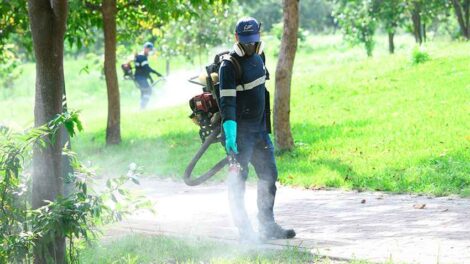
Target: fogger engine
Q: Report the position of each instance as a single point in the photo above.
(205, 113)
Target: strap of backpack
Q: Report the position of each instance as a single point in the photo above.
(263, 57)
(236, 65)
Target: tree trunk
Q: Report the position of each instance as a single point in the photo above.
(48, 23)
(423, 32)
(391, 42)
(113, 129)
(285, 64)
(463, 14)
(417, 27)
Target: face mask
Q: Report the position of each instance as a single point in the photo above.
(249, 48)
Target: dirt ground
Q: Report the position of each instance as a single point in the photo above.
(343, 225)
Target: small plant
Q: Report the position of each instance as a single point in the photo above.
(74, 216)
(419, 55)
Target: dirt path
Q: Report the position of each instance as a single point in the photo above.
(346, 225)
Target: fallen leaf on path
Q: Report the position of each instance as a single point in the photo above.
(419, 206)
(445, 210)
(363, 201)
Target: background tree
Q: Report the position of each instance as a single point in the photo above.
(200, 33)
(391, 15)
(48, 23)
(267, 12)
(357, 21)
(423, 13)
(122, 19)
(285, 64)
(13, 22)
(462, 12)
(316, 15)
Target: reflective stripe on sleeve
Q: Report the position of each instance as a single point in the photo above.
(141, 64)
(228, 93)
(251, 85)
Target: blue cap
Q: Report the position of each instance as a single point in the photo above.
(148, 45)
(248, 30)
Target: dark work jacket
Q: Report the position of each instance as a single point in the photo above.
(245, 103)
(142, 68)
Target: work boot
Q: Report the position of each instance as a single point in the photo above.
(275, 231)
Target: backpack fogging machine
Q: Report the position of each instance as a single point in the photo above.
(206, 114)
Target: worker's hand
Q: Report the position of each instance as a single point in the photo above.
(230, 129)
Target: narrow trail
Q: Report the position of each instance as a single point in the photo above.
(340, 224)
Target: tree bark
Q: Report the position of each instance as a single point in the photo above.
(48, 23)
(391, 42)
(463, 15)
(423, 32)
(285, 64)
(417, 27)
(113, 129)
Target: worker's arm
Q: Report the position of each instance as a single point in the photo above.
(154, 71)
(228, 105)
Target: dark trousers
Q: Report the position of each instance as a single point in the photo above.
(145, 91)
(257, 149)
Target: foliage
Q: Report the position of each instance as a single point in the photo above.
(74, 216)
(429, 9)
(315, 15)
(13, 22)
(267, 12)
(391, 13)
(133, 17)
(9, 70)
(213, 26)
(424, 13)
(357, 22)
(419, 55)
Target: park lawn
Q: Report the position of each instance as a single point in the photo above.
(160, 249)
(377, 123)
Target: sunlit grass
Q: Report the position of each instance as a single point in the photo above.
(158, 249)
(380, 123)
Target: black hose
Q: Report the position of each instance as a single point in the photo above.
(212, 138)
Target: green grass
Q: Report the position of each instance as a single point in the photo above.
(380, 123)
(159, 249)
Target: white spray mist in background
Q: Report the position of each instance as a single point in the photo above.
(175, 90)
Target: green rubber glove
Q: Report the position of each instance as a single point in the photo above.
(230, 129)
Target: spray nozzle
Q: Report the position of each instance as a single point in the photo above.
(233, 165)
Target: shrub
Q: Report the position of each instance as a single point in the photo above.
(419, 55)
(74, 216)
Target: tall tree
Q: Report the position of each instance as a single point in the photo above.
(391, 14)
(113, 128)
(357, 21)
(285, 65)
(462, 11)
(129, 18)
(423, 13)
(48, 23)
